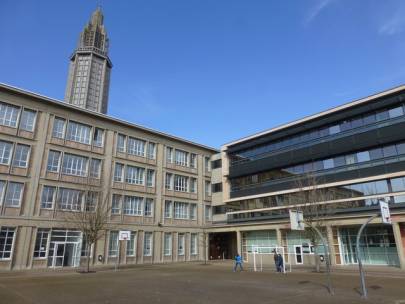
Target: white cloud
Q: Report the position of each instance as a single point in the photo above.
(394, 23)
(316, 10)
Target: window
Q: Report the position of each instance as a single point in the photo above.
(207, 188)
(208, 213)
(334, 129)
(147, 244)
(193, 244)
(193, 185)
(216, 164)
(91, 201)
(217, 187)
(2, 187)
(136, 146)
(398, 184)
(74, 165)
(58, 130)
(118, 172)
(328, 163)
(113, 244)
(339, 161)
(207, 164)
(78, 132)
(181, 157)
(95, 167)
(169, 181)
(116, 204)
(41, 243)
(193, 211)
(131, 244)
(98, 137)
(134, 175)
(13, 194)
(180, 183)
(382, 115)
(151, 150)
(395, 112)
(167, 245)
(8, 115)
(121, 143)
(150, 178)
(69, 199)
(6, 242)
(389, 151)
(376, 153)
(21, 156)
(132, 205)
(48, 197)
(351, 159)
(181, 211)
(363, 156)
(169, 154)
(53, 161)
(148, 207)
(28, 120)
(193, 160)
(5, 152)
(180, 245)
(168, 209)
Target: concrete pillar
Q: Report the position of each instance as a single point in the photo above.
(399, 243)
(279, 237)
(329, 239)
(239, 242)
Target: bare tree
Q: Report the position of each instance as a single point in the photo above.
(91, 220)
(204, 244)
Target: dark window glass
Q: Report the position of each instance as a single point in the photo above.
(334, 129)
(395, 112)
(308, 167)
(346, 125)
(314, 134)
(299, 169)
(216, 164)
(369, 119)
(401, 148)
(363, 156)
(398, 184)
(389, 151)
(381, 186)
(358, 122)
(318, 165)
(323, 132)
(339, 161)
(376, 153)
(351, 159)
(382, 115)
(328, 163)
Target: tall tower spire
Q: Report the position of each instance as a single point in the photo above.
(90, 67)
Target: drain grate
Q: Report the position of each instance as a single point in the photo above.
(375, 287)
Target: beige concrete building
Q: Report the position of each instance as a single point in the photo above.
(54, 156)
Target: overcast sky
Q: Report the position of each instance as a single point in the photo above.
(213, 71)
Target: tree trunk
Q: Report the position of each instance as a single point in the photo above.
(88, 256)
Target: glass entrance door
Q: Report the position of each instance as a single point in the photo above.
(66, 255)
(298, 254)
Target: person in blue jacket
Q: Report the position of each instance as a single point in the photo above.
(238, 261)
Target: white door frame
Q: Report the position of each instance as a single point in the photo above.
(74, 257)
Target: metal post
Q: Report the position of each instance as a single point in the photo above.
(326, 246)
(118, 256)
(362, 279)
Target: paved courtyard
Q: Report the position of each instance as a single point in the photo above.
(192, 283)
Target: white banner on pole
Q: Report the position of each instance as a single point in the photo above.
(385, 213)
(296, 220)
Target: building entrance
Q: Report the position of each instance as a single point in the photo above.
(222, 245)
(64, 248)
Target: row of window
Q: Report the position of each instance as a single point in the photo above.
(180, 183)
(134, 175)
(132, 205)
(185, 159)
(68, 199)
(20, 156)
(348, 124)
(73, 164)
(136, 146)
(13, 116)
(78, 132)
(184, 211)
(324, 164)
(11, 193)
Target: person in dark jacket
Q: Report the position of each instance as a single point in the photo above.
(280, 263)
(275, 257)
(238, 261)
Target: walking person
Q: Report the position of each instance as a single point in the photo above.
(238, 261)
(275, 257)
(280, 263)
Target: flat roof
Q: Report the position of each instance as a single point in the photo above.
(314, 116)
(60, 103)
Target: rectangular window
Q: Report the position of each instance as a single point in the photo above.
(98, 137)
(6, 242)
(169, 181)
(132, 205)
(398, 184)
(151, 150)
(180, 183)
(181, 211)
(14, 194)
(21, 156)
(116, 204)
(169, 155)
(58, 130)
(363, 156)
(328, 163)
(396, 112)
(48, 197)
(91, 200)
(74, 165)
(193, 244)
(334, 129)
(180, 244)
(118, 172)
(53, 161)
(193, 211)
(41, 243)
(167, 245)
(215, 164)
(131, 244)
(136, 146)
(208, 213)
(148, 207)
(8, 115)
(207, 188)
(113, 244)
(27, 121)
(168, 209)
(2, 188)
(95, 165)
(134, 175)
(193, 160)
(193, 185)
(5, 152)
(78, 132)
(181, 158)
(150, 178)
(69, 199)
(147, 244)
(218, 186)
(121, 143)
(207, 164)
